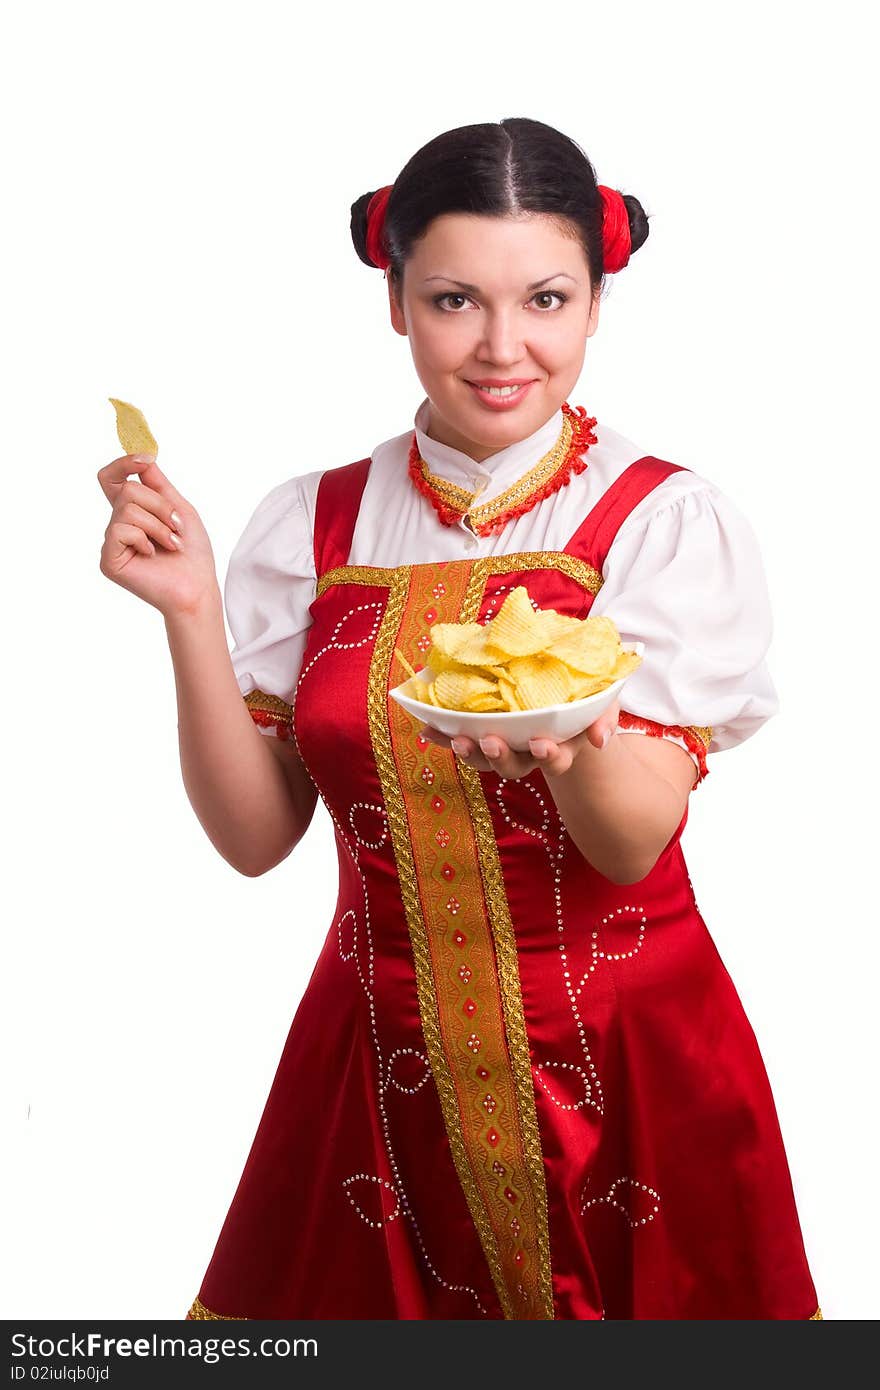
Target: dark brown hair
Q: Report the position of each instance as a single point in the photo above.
(497, 168)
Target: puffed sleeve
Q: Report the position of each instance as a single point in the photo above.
(270, 583)
(687, 579)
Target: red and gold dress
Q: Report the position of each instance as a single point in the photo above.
(512, 1088)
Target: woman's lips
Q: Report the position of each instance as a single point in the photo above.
(495, 402)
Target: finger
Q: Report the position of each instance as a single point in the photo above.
(465, 749)
(134, 502)
(558, 757)
(435, 736)
(506, 761)
(546, 753)
(150, 473)
(599, 733)
(154, 477)
(131, 490)
(135, 515)
(116, 472)
(122, 536)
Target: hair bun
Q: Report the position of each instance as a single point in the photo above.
(638, 222)
(359, 226)
(624, 227)
(371, 227)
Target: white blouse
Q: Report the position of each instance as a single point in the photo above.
(684, 573)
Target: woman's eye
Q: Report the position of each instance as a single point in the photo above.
(438, 299)
(551, 294)
(441, 299)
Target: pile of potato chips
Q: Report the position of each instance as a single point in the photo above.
(521, 659)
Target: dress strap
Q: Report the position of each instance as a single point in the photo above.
(336, 512)
(594, 536)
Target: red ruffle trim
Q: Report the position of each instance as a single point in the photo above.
(693, 741)
(581, 439)
(268, 720)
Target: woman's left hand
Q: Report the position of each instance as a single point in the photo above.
(493, 754)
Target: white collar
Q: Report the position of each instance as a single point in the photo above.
(498, 472)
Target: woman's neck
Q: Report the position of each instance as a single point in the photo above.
(444, 433)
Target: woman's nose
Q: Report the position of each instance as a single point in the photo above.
(502, 341)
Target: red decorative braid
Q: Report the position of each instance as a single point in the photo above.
(581, 439)
(266, 719)
(649, 726)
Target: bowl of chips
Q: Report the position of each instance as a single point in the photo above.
(526, 673)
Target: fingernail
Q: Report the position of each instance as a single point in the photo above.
(539, 747)
(491, 747)
(176, 521)
(144, 458)
(606, 736)
(459, 746)
(175, 540)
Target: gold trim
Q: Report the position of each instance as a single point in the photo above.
(382, 577)
(818, 1314)
(269, 704)
(702, 731)
(199, 1311)
(519, 491)
(507, 957)
(511, 1020)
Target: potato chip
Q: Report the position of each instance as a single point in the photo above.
(456, 644)
(592, 650)
(509, 694)
(582, 686)
(461, 689)
(132, 429)
(521, 659)
(626, 662)
(541, 680)
(516, 629)
(398, 653)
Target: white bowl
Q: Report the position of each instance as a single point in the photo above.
(516, 727)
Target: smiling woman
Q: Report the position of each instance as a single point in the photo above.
(520, 1083)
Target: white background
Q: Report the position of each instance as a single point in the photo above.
(178, 180)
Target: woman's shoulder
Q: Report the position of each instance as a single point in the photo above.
(277, 536)
(687, 490)
(615, 452)
(383, 459)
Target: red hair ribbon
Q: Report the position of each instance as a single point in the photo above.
(616, 242)
(375, 227)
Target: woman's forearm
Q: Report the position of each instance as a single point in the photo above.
(235, 783)
(618, 811)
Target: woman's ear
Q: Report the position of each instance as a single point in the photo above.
(398, 318)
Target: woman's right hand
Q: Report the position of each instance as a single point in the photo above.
(139, 551)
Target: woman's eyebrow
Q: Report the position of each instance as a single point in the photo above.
(473, 289)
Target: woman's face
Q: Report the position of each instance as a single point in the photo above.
(495, 299)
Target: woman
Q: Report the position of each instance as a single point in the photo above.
(520, 1083)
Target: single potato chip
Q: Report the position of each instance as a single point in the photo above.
(626, 662)
(516, 629)
(593, 650)
(463, 689)
(132, 429)
(541, 681)
(403, 661)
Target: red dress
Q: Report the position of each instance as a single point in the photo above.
(512, 1087)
